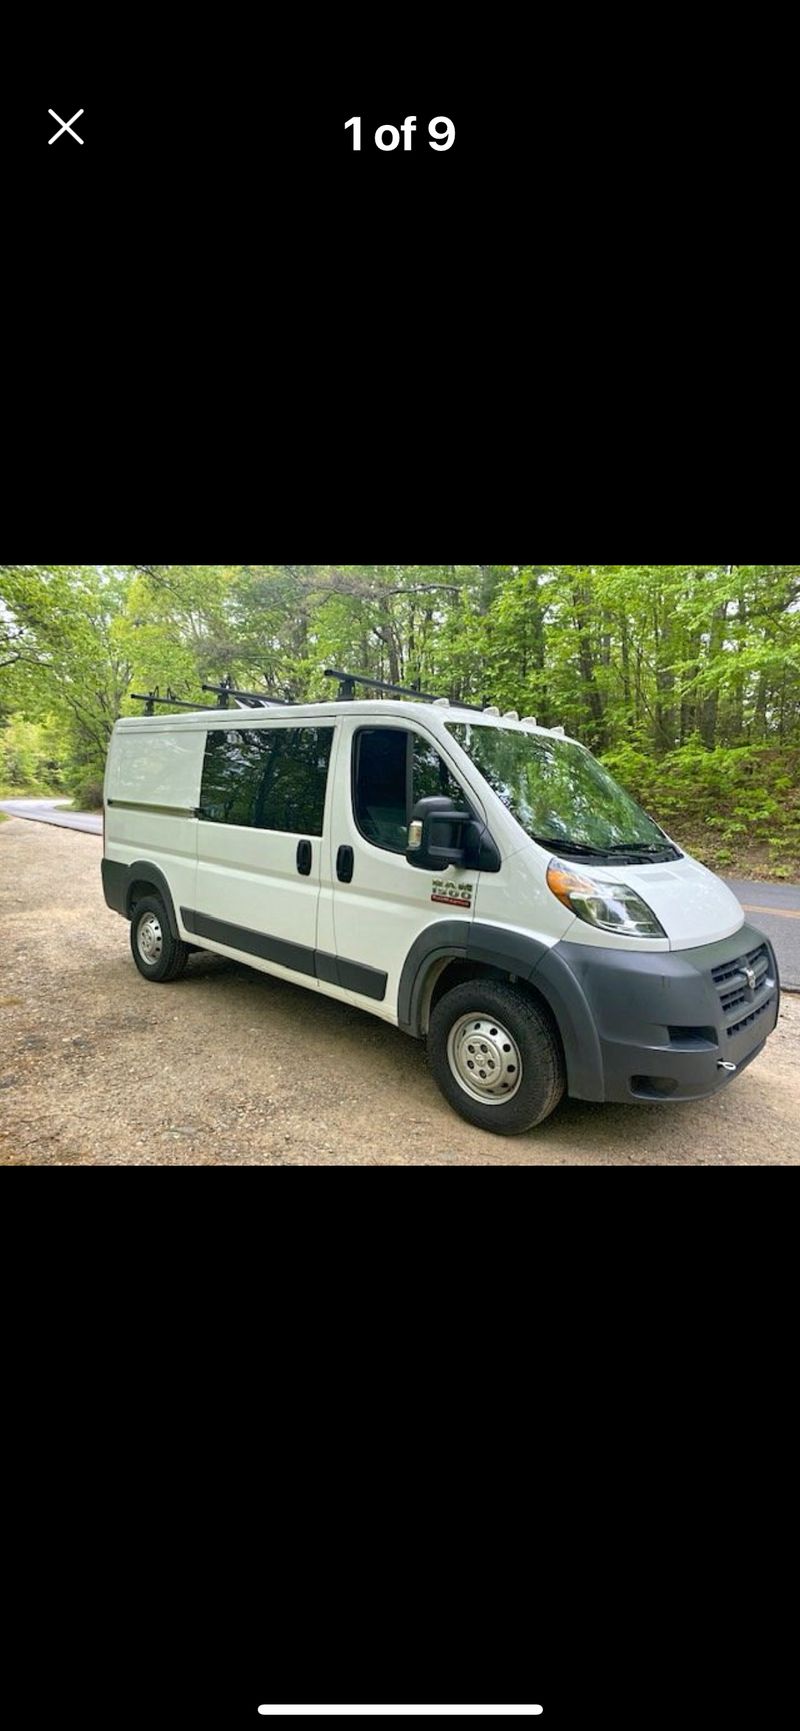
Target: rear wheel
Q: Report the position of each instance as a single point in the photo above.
(157, 954)
(496, 1056)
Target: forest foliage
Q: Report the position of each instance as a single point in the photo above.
(684, 679)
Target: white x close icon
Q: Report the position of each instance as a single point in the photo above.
(65, 126)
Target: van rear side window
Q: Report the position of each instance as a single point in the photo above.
(263, 779)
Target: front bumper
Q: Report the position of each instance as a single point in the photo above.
(650, 1025)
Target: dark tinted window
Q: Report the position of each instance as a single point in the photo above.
(232, 772)
(431, 774)
(393, 769)
(292, 792)
(267, 779)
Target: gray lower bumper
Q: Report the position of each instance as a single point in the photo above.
(645, 1026)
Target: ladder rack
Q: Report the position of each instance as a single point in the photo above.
(252, 699)
(262, 700)
(149, 698)
(349, 681)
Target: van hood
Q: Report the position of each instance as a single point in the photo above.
(693, 905)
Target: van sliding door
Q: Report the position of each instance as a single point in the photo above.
(260, 837)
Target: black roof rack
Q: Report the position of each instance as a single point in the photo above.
(247, 699)
(349, 681)
(149, 698)
(253, 699)
(262, 699)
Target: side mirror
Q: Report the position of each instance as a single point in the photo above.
(441, 834)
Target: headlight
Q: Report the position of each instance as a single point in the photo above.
(612, 907)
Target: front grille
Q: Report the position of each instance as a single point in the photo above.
(758, 960)
(735, 992)
(747, 1021)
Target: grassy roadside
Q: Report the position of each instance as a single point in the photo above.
(747, 859)
(738, 811)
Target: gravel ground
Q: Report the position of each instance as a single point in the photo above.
(231, 1067)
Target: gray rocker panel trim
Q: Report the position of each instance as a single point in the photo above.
(301, 958)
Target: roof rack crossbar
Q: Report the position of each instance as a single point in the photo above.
(256, 699)
(349, 681)
(149, 698)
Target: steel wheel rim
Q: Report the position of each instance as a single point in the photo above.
(149, 939)
(484, 1059)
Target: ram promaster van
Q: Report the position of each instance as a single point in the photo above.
(479, 881)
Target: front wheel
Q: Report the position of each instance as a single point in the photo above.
(157, 955)
(496, 1056)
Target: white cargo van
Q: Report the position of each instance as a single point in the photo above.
(479, 881)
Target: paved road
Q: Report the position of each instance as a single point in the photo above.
(774, 908)
(51, 811)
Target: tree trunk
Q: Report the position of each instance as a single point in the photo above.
(592, 695)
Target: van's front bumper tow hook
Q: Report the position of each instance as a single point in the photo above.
(722, 1065)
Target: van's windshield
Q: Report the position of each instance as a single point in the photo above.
(561, 795)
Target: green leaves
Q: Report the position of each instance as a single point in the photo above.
(659, 667)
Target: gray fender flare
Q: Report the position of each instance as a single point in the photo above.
(529, 959)
(143, 872)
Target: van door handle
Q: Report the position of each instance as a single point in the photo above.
(304, 858)
(344, 865)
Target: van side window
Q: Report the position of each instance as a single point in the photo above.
(392, 768)
(431, 775)
(292, 792)
(232, 770)
(261, 778)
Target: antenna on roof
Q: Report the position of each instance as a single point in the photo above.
(349, 681)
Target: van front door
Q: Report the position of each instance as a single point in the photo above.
(380, 902)
(259, 843)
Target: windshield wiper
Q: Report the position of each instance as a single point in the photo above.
(633, 849)
(560, 841)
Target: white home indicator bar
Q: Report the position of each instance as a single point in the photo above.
(485, 1712)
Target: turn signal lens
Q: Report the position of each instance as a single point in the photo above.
(562, 882)
(415, 834)
(612, 907)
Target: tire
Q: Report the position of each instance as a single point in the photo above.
(506, 1072)
(157, 955)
